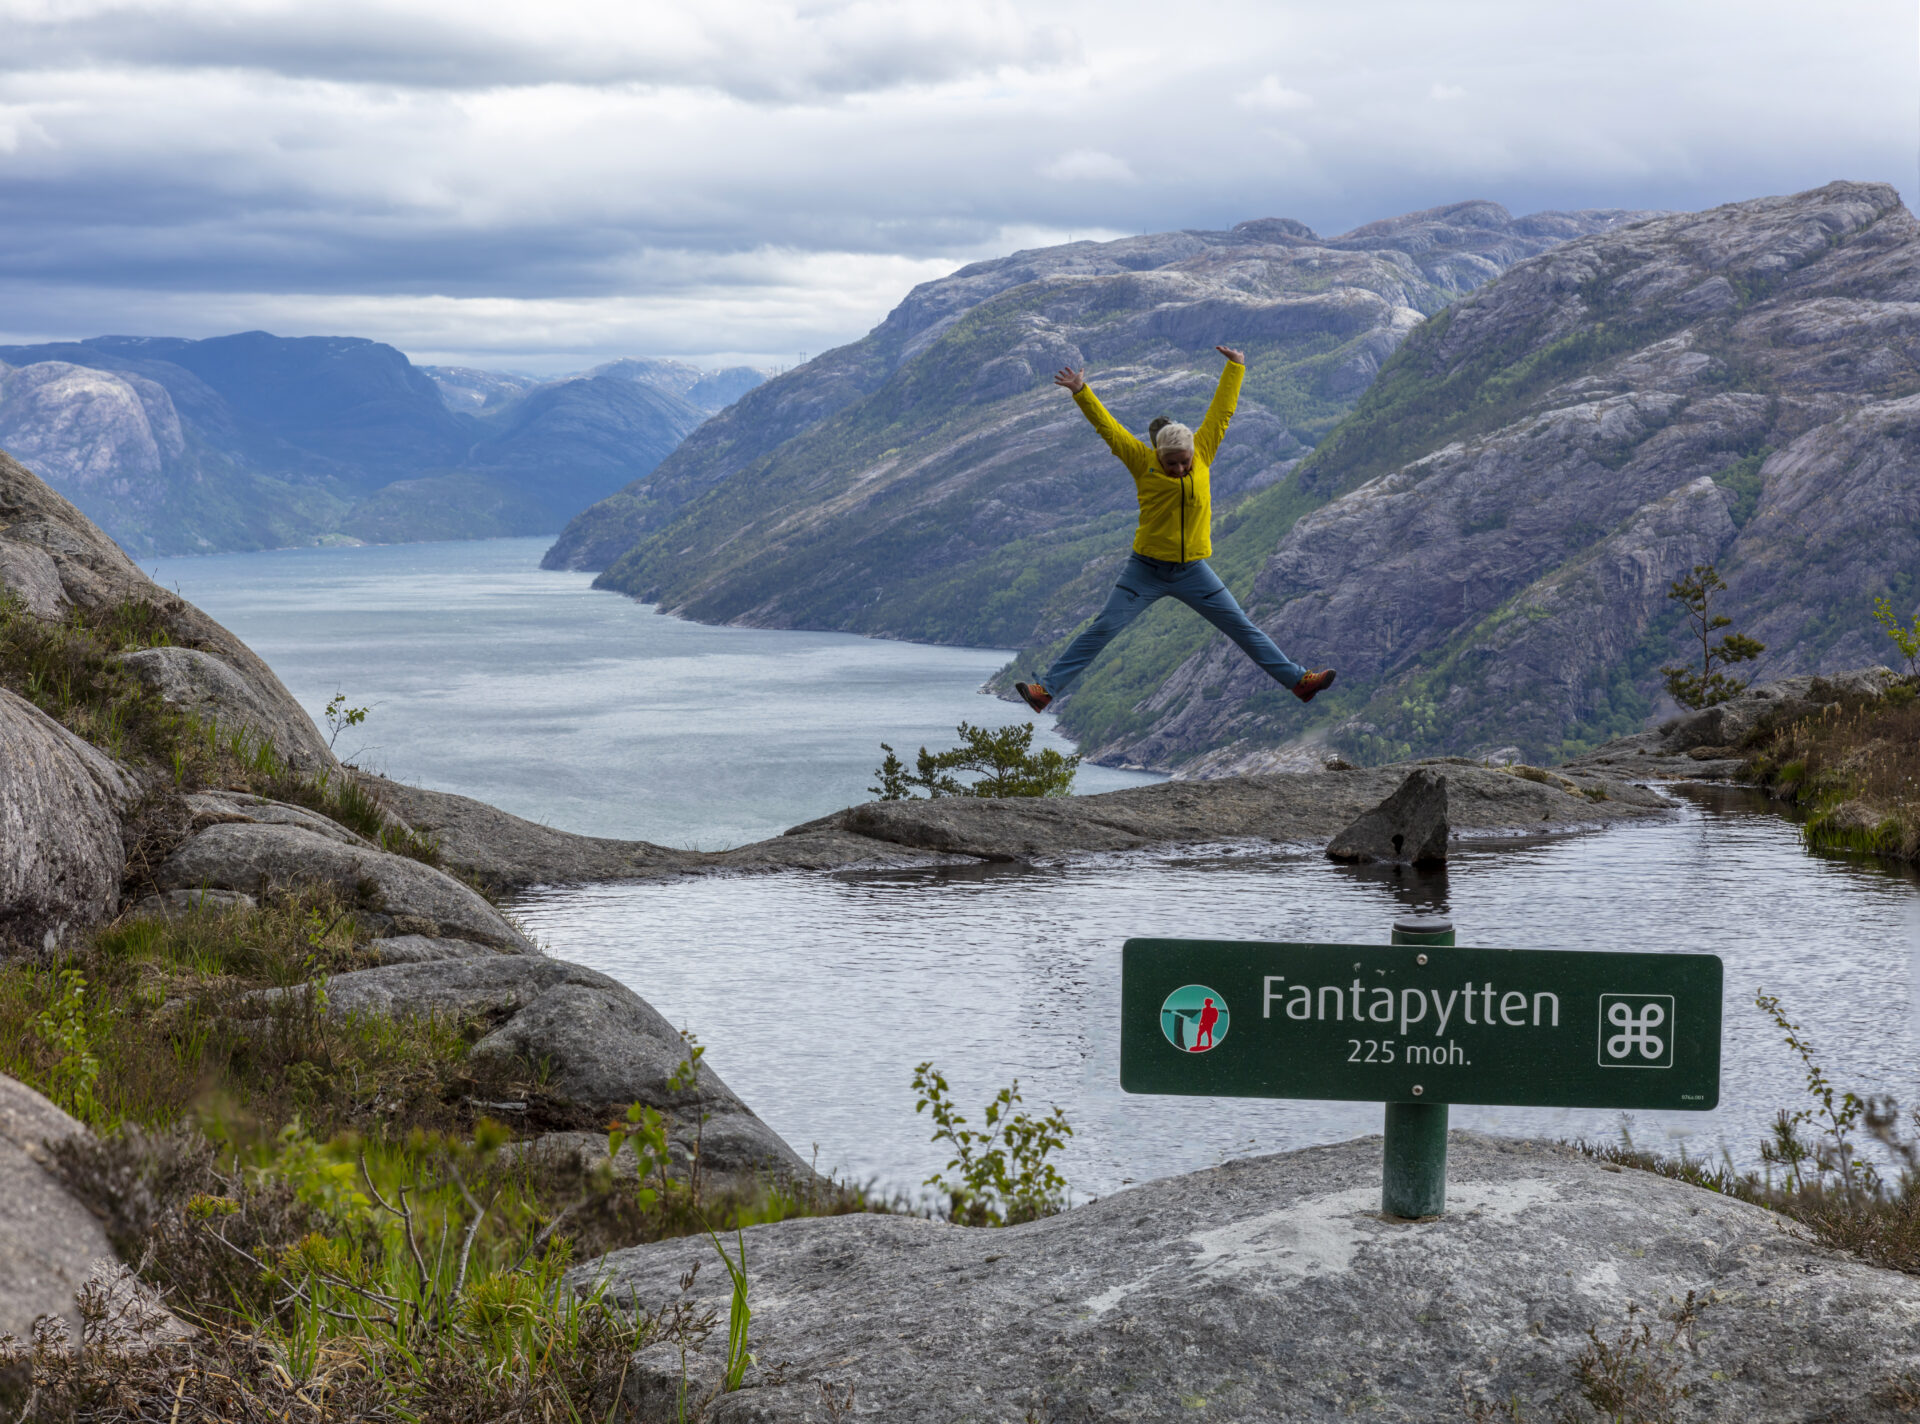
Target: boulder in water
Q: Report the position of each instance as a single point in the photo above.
(1409, 827)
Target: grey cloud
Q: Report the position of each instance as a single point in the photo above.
(763, 53)
(333, 160)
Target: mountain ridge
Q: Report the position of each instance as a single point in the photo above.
(922, 483)
(1496, 524)
(251, 440)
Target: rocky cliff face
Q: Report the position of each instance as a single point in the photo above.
(254, 441)
(1499, 519)
(928, 482)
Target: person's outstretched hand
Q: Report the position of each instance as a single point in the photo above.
(1073, 380)
(1238, 358)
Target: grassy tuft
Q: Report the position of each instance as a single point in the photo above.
(69, 670)
(1854, 769)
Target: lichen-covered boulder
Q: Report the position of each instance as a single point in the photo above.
(210, 688)
(1272, 1288)
(61, 856)
(93, 573)
(29, 575)
(601, 1046)
(49, 1243)
(251, 857)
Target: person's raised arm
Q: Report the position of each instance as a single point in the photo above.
(1226, 395)
(1132, 451)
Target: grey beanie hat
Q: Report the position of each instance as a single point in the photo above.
(1173, 436)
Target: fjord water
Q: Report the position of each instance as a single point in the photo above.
(818, 994)
(584, 710)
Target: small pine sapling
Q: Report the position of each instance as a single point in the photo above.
(1710, 686)
(1002, 762)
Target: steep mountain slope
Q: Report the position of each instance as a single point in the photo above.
(253, 440)
(1498, 520)
(928, 482)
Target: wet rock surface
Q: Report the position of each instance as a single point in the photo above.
(598, 1045)
(1287, 809)
(250, 856)
(1408, 828)
(1272, 1288)
(60, 827)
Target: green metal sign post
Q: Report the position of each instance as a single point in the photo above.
(1417, 1025)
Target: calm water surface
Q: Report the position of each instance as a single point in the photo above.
(818, 994)
(585, 710)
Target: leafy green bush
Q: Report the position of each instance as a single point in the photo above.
(999, 1177)
(1907, 640)
(1002, 762)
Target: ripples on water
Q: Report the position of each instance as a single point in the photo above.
(817, 994)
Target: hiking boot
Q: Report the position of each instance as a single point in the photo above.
(1313, 682)
(1033, 694)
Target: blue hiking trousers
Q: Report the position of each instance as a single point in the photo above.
(1143, 582)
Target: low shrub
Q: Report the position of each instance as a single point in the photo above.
(1854, 769)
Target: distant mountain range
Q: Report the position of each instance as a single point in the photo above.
(1472, 451)
(257, 441)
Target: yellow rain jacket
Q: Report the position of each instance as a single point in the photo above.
(1176, 516)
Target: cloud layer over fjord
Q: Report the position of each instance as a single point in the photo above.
(531, 185)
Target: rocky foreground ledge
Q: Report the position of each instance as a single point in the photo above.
(1271, 1288)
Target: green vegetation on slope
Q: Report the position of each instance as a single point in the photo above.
(1853, 769)
(912, 512)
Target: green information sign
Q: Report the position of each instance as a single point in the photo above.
(1413, 1024)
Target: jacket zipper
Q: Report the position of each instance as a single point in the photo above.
(1183, 519)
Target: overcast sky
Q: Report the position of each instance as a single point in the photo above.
(545, 185)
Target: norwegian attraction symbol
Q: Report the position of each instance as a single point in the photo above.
(1194, 1018)
(1636, 1030)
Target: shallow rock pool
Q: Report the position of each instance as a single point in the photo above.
(817, 994)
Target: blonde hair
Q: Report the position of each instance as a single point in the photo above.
(1173, 436)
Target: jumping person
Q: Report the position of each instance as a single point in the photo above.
(1170, 549)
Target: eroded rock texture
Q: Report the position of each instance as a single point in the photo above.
(1510, 501)
(40, 530)
(61, 856)
(596, 1045)
(1408, 828)
(251, 856)
(49, 1242)
(1272, 1288)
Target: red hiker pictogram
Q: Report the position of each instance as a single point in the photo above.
(1203, 1040)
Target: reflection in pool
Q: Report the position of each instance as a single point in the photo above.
(817, 994)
